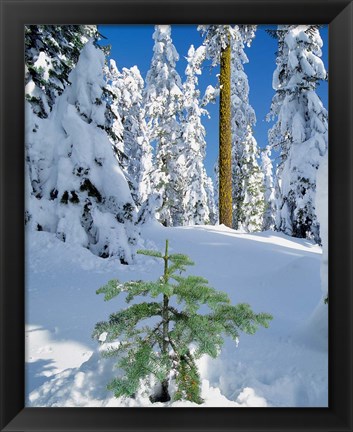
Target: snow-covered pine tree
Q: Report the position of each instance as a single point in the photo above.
(198, 191)
(179, 334)
(127, 89)
(164, 104)
(252, 206)
(116, 125)
(217, 41)
(300, 131)
(216, 37)
(269, 194)
(275, 138)
(51, 52)
(247, 178)
(211, 201)
(76, 188)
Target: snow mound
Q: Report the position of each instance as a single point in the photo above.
(86, 387)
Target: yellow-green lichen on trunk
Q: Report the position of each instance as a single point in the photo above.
(225, 140)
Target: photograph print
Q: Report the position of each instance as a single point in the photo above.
(176, 216)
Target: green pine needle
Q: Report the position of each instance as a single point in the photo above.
(151, 253)
(163, 349)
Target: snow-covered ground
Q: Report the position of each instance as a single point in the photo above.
(283, 366)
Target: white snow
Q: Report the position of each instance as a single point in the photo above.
(283, 366)
(269, 190)
(128, 86)
(322, 215)
(247, 178)
(164, 106)
(68, 155)
(301, 129)
(94, 189)
(197, 201)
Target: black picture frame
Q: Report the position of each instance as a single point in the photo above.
(14, 15)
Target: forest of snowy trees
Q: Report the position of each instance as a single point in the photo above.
(196, 205)
(107, 149)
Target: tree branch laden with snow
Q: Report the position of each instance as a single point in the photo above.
(301, 128)
(75, 185)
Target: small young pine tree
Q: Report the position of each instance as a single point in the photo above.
(164, 349)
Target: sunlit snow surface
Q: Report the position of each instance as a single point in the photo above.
(283, 366)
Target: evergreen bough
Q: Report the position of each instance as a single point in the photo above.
(179, 336)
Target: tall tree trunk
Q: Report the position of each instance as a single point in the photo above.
(225, 141)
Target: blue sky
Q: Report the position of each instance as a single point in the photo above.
(133, 44)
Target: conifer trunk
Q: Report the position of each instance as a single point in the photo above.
(165, 397)
(225, 140)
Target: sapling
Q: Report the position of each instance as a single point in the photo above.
(175, 333)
